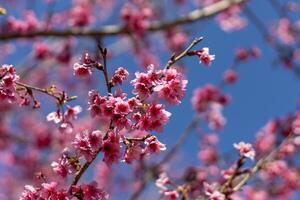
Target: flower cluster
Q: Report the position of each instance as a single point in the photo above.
(30, 23)
(209, 101)
(53, 191)
(8, 78)
(168, 83)
(89, 192)
(128, 113)
(212, 192)
(162, 183)
(136, 20)
(136, 150)
(85, 66)
(47, 191)
(88, 144)
(244, 54)
(119, 76)
(65, 118)
(65, 165)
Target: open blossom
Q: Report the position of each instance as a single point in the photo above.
(172, 87)
(70, 114)
(171, 195)
(85, 66)
(87, 143)
(162, 182)
(65, 118)
(51, 191)
(8, 79)
(204, 56)
(144, 82)
(206, 95)
(154, 119)
(63, 167)
(212, 192)
(134, 151)
(215, 117)
(29, 193)
(92, 192)
(245, 149)
(119, 76)
(111, 148)
(153, 145)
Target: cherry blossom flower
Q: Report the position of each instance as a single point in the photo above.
(230, 76)
(171, 195)
(8, 79)
(119, 76)
(29, 193)
(92, 192)
(245, 149)
(212, 192)
(162, 182)
(204, 56)
(173, 86)
(153, 145)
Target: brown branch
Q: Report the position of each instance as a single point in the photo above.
(113, 30)
(258, 166)
(45, 91)
(174, 59)
(260, 163)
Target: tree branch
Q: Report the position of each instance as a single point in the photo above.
(113, 30)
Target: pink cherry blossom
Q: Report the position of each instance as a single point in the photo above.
(205, 57)
(119, 76)
(245, 149)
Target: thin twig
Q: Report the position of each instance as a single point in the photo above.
(174, 59)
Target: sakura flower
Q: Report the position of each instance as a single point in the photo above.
(203, 97)
(80, 15)
(153, 145)
(245, 149)
(111, 148)
(81, 70)
(41, 50)
(173, 86)
(171, 195)
(8, 79)
(230, 76)
(29, 193)
(63, 167)
(204, 56)
(212, 192)
(162, 182)
(133, 152)
(56, 117)
(87, 143)
(85, 66)
(119, 76)
(92, 192)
